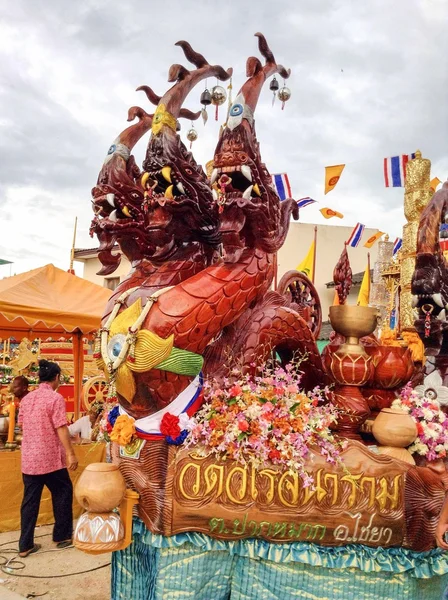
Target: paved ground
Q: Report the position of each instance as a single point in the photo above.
(46, 565)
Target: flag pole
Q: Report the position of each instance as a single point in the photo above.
(314, 254)
(72, 252)
(368, 271)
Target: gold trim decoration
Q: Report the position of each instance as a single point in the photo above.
(163, 117)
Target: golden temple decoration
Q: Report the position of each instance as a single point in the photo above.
(417, 195)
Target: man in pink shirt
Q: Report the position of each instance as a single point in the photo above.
(46, 454)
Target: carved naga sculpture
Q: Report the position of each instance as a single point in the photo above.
(164, 218)
(430, 279)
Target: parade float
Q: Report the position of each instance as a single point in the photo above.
(246, 458)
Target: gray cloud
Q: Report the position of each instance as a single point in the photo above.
(369, 80)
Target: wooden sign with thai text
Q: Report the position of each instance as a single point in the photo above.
(360, 503)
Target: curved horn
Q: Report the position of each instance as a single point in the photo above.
(184, 113)
(150, 94)
(131, 135)
(257, 74)
(185, 80)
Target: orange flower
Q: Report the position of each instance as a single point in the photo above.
(123, 431)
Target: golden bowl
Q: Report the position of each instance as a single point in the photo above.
(353, 321)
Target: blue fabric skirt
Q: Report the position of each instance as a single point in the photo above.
(193, 566)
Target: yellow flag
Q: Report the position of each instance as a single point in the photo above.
(434, 183)
(372, 239)
(364, 292)
(329, 212)
(307, 264)
(332, 175)
(335, 299)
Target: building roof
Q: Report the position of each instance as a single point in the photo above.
(356, 279)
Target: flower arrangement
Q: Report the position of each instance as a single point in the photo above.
(254, 419)
(431, 421)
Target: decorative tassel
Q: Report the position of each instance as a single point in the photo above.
(216, 112)
(427, 309)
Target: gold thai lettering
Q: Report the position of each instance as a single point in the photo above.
(384, 495)
(243, 485)
(353, 481)
(333, 477)
(195, 487)
(318, 491)
(372, 482)
(214, 478)
(253, 484)
(271, 475)
(291, 487)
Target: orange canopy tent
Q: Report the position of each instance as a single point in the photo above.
(49, 301)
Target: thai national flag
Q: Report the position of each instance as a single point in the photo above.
(305, 202)
(397, 245)
(356, 235)
(395, 170)
(281, 184)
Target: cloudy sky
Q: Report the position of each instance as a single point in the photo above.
(369, 79)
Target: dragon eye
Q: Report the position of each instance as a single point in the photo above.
(112, 149)
(115, 345)
(236, 110)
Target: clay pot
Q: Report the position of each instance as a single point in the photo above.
(395, 428)
(400, 453)
(100, 488)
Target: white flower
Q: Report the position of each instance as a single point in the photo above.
(253, 411)
(185, 422)
(433, 388)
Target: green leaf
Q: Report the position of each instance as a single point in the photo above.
(232, 401)
(242, 436)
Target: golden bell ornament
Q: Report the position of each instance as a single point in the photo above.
(192, 135)
(284, 94)
(219, 96)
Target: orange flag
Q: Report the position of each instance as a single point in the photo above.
(434, 183)
(332, 176)
(372, 239)
(329, 212)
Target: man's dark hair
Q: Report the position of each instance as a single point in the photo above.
(48, 371)
(23, 380)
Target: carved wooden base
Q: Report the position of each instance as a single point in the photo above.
(354, 410)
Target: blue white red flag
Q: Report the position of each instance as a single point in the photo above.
(281, 184)
(305, 202)
(395, 170)
(397, 245)
(356, 235)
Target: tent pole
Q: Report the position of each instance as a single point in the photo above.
(78, 360)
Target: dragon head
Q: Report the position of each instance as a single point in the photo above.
(430, 279)
(252, 215)
(154, 213)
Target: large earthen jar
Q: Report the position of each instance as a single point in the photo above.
(393, 427)
(100, 488)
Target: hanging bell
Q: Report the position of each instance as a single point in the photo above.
(192, 135)
(219, 96)
(206, 97)
(284, 94)
(273, 86)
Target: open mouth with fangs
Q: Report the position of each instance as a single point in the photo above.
(234, 182)
(106, 207)
(163, 185)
